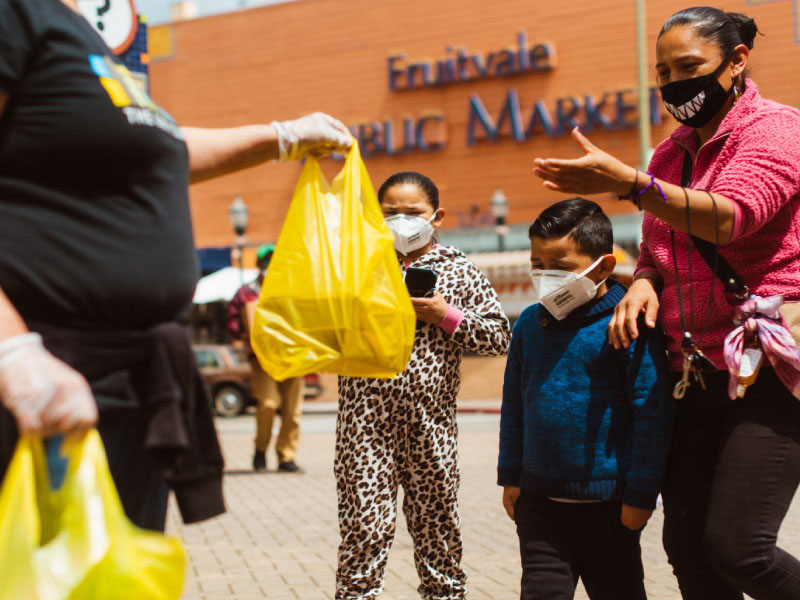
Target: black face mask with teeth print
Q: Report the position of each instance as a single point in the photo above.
(695, 101)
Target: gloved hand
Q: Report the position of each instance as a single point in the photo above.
(45, 395)
(314, 135)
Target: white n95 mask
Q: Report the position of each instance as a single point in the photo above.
(561, 292)
(410, 233)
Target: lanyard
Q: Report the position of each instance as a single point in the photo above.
(695, 363)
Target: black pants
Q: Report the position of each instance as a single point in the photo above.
(142, 490)
(733, 470)
(560, 542)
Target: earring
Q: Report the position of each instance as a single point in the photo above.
(735, 94)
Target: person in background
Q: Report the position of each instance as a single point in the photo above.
(584, 427)
(97, 258)
(723, 188)
(273, 396)
(402, 431)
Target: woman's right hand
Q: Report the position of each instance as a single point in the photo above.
(45, 395)
(641, 298)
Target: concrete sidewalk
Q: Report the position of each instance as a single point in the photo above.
(279, 537)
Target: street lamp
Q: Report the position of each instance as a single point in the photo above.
(239, 215)
(645, 137)
(499, 208)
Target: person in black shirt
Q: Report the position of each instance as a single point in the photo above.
(97, 260)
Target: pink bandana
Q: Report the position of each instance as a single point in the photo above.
(760, 316)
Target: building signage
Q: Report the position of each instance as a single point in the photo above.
(463, 65)
(517, 118)
(609, 112)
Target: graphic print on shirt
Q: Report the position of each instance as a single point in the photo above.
(126, 94)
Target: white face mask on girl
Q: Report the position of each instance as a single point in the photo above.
(561, 292)
(410, 233)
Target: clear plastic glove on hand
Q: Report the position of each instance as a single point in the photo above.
(45, 395)
(314, 135)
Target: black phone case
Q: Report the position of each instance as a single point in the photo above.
(420, 282)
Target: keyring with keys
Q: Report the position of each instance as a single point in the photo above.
(695, 364)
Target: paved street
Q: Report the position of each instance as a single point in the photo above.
(279, 537)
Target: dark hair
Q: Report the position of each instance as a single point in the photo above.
(726, 29)
(421, 181)
(583, 220)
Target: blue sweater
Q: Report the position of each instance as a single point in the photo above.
(582, 420)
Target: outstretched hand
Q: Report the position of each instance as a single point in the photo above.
(593, 173)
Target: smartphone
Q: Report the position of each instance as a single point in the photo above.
(421, 283)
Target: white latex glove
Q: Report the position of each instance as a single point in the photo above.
(314, 135)
(45, 395)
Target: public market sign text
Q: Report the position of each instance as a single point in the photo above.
(518, 119)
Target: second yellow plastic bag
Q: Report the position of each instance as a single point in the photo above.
(334, 299)
(76, 543)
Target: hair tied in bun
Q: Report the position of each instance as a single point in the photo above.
(747, 28)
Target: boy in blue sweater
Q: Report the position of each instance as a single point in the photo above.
(584, 428)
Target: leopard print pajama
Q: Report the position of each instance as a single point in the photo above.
(402, 432)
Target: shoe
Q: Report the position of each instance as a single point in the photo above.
(289, 466)
(259, 461)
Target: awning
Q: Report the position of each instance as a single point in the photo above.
(508, 272)
(222, 285)
(513, 266)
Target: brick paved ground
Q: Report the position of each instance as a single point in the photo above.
(278, 539)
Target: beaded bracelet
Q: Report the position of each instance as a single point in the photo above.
(629, 195)
(632, 195)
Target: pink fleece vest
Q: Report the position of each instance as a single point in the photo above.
(754, 161)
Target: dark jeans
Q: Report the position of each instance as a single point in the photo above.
(733, 470)
(560, 542)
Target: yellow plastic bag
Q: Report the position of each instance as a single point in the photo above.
(334, 299)
(76, 543)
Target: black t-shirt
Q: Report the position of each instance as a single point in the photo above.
(95, 229)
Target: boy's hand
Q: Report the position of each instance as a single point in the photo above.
(510, 495)
(431, 310)
(635, 518)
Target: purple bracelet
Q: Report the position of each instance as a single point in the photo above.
(652, 183)
(635, 196)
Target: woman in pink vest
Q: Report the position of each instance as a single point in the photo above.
(720, 255)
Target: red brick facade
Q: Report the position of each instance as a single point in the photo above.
(281, 61)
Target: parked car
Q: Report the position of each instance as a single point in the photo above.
(226, 370)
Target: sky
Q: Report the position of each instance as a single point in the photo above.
(157, 11)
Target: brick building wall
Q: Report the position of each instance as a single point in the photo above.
(285, 60)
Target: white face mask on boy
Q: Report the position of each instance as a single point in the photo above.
(561, 292)
(410, 233)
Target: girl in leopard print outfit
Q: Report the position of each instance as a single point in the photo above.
(402, 431)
